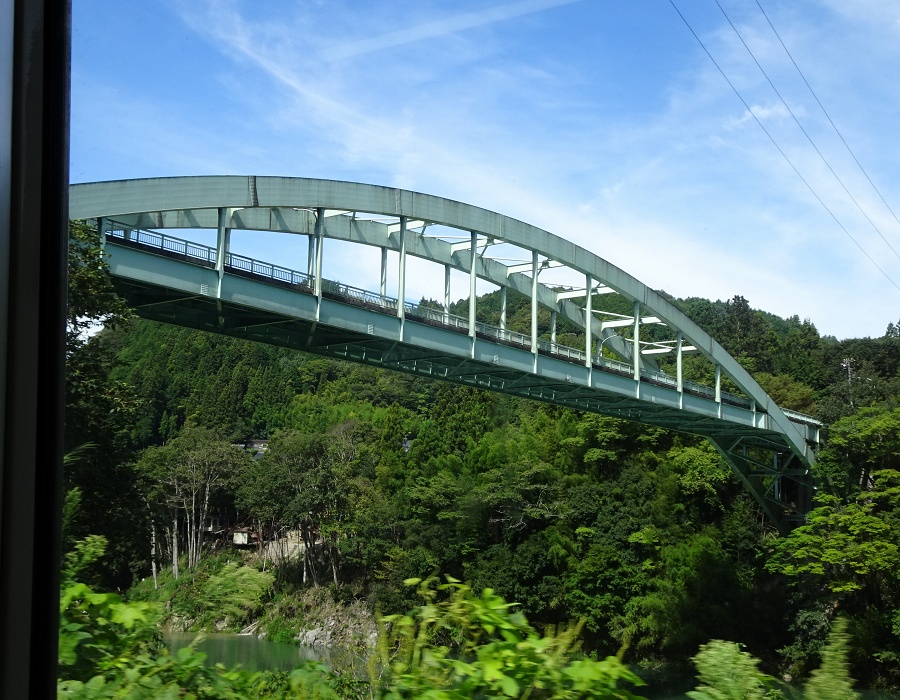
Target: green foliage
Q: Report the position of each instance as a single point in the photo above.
(643, 534)
(182, 480)
(99, 412)
(83, 554)
(787, 392)
(92, 300)
(220, 593)
(727, 673)
(99, 632)
(470, 645)
(859, 445)
(185, 674)
(844, 545)
(693, 591)
(235, 591)
(832, 681)
(702, 471)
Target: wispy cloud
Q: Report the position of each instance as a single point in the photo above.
(361, 131)
(442, 27)
(548, 121)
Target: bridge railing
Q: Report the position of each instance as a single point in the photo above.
(428, 313)
(561, 351)
(801, 417)
(166, 243)
(503, 334)
(265, 269)
(358, 295)
(206, 255)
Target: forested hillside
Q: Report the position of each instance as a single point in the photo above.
(643, 534)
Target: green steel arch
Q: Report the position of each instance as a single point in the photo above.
(169, 279)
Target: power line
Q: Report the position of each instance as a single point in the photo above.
(775, 143)
(805, 133)
(825, 112)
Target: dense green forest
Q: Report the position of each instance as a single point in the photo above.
(642, 535)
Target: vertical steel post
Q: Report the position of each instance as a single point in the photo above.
(223, 241)
(553, 326)
(679, 375)
(503, 308)
(447, 289)
(102, 225)
(636, 352)
(401, 285)
(534, 301)
(472, 277)
(719, 388)
(383, 273)
(320, 234)
(588, 319)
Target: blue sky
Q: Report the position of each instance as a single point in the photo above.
(602, 121)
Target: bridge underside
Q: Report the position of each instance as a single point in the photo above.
(258, 310)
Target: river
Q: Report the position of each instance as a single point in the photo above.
(254, 654)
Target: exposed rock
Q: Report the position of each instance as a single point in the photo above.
(320, 621)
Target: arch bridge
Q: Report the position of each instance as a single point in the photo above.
(611, 344)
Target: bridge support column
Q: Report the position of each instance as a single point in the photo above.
(320, 233)
(503, 308)
(102, 226)
(447, 290)
(534, 301)
(553, 326)
(474, 248)
(223, 243)
(679, 374)
(401, 285)
(636, 351)
(588, 319)
(383, 274)
(311, 254)
(719, 389)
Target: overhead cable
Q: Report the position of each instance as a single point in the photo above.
(783, 154)
(825, 112)
(805, 133)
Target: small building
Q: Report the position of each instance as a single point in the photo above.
(244, 537)
(256, 445)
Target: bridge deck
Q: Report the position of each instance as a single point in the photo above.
(269, 303)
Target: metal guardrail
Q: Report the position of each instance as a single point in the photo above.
(207, 256)
(561, 351)
(437, 315)
(169, 244)
(801, 417)
(358, 294)
(258, 267)
(503, 334)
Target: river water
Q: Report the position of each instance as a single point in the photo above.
(254, 654)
